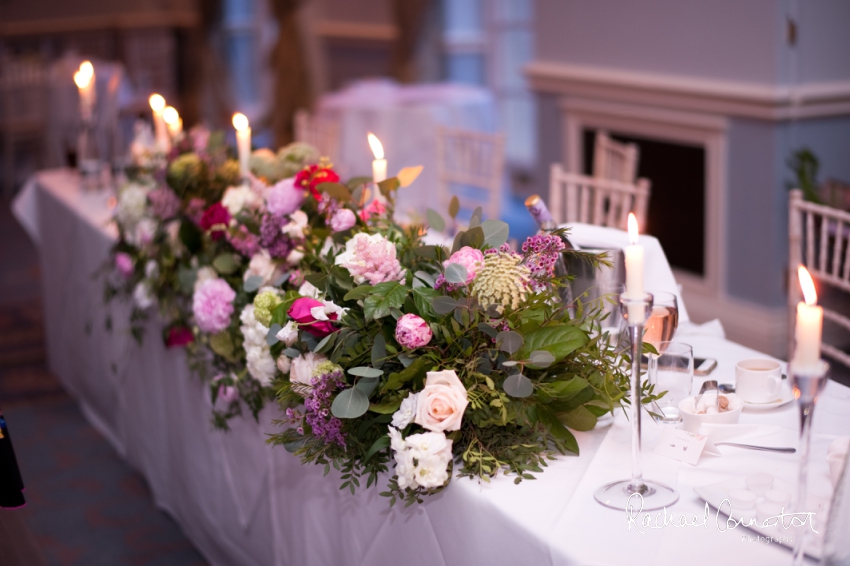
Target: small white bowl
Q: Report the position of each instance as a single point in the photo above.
(692, 420)
(778, 496)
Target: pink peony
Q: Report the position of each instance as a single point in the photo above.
(371, 258)
(374, 208)
(342, 220)
(470, 258)
(124, 264)
(284, 197)
(412, 331)
(300, 313)
(213, 305)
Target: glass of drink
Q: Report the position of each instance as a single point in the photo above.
(671, 370)
(664, 320)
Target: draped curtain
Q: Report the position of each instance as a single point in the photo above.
(292, 88)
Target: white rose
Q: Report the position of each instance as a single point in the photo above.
(295, 228)
(302, 367)
(396, 441)
(295, 257)
(441, 402)
(404, 415)
(429, 444)
(263, 266)
(431, 472)
(308, 290)
(288, 334)
(405, 469)
(143, 296)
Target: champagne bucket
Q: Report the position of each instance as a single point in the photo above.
(588, 278)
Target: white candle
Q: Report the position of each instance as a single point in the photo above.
(809, 327)
(85, 81)
(634, 273)
(172, 121)
(157, 103)
(379, 165)
(243, 142)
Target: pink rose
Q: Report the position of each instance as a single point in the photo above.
(374, 208)
(300, 313)
(441, 403)
(284, 197)
(470, 258)
(124, 264)
(342, 220)
(412, 331)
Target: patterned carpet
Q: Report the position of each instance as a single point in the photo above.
(85, 506)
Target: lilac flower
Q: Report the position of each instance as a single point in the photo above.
(318, 407)
(272, 238)
(164, 203)
(244, 241)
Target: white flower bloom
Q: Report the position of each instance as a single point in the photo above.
(142, 233)
(263, 266)
(261, 365)
(308, 290)
(328, 308)
(288, 334)
(431, 472)
(237, 198)
(204, 274)
(143, 295)
(131, 206)
(303, 366)
(405, 469)
(284, 364)
(396, 441)
(295, 228)
(404, 415)
(295, 256)
(428, 444)
(151, 269)
(173, 231)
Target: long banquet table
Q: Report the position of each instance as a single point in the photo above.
(242, 502)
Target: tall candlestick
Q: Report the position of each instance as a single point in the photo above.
(379, 165)
(809, 327)
(243, 142)
(85, 81)
(157, 103)
(634, 271)
(172, 121)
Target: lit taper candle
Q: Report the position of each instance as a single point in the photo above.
(379, 165)
(85, 81)
(634, 273)
(809, 327)
(157, 103)
(172, 121)
(243, 142)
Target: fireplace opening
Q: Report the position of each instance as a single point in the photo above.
(676, 214)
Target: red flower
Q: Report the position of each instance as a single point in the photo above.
(374, 208)
(216, 219)
(179, 336)
(313, 175)
(300, 313)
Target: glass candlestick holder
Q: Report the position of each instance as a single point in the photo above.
(89, 163)
(807, 384)
(620, 494)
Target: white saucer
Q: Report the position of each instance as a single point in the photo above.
(786, 397)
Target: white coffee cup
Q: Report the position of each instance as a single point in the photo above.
(758, 380)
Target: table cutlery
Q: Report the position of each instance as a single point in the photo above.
(753, 447)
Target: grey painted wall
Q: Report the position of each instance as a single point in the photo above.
(724, 39)
(823, 40)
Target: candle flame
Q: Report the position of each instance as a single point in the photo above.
(82, 79)
(157, 102)
(170, 115)
(633, 229)
(375, 144)
(240, 121)
(808, 286)
(87, 68)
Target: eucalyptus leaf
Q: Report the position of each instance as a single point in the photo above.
(282, 279)
(357, 194)
(475, 219)
(454, 207)
(253, 283)
(488, 329)
(474, 238)
(293, 447)
(405, 359)
(379, 351)
(225, 263)
(428, 252)
(509, 363)
(292, 352)
(187, 277)
(495, 232)
(271, 336)
(326, 344)
(350, 404)
(518, 385)
(444, 304)
(509, 341)
(364, 371)
(367, 385)
(456, 273)
(541, 358)
(435, 221)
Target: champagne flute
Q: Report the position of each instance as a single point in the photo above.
(664, 320)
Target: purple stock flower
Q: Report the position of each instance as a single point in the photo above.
(271, 237)
(541, 254)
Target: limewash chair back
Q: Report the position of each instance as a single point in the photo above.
(322, 133)
(614, 160)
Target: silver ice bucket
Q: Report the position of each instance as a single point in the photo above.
(599, 281)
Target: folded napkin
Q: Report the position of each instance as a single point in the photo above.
(657, 273)
(836, 455)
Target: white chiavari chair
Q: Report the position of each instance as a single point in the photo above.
(470, 166)
(591, 200)
(322, 133)
(819, 238)
(614, 160)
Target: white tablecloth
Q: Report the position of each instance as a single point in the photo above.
(405, 119)
(244, 503)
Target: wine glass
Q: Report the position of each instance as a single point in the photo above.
(672, 370)
(664, 320)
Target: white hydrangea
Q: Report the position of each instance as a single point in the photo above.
(261, 365)
(132, 204)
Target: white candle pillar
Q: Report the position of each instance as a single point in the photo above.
(634, 273)
(172, 121)
(85, 81)
(157, 103)
(808, 328)
(379, 165)
(243, 142)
